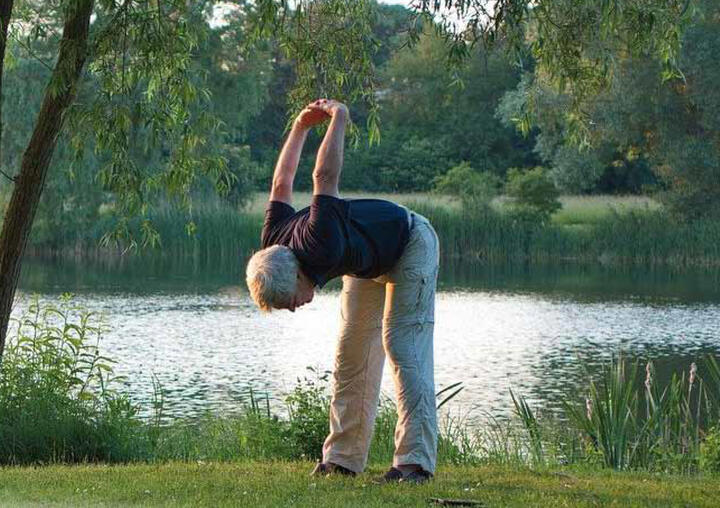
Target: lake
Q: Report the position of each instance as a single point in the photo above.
(542, 331)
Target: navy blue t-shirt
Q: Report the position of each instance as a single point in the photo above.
(334, 237)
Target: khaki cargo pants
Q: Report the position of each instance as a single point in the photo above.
(391, 315)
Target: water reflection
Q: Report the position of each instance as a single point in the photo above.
(529, 329)
(153, 274)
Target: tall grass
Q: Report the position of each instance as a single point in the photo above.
(530, 423)
(633, 238)
(647, 426)
(631, 232)
(610, 419)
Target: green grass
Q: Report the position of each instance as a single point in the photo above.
(593, 209)
(575, 210)
(302, 199)
(288, 484)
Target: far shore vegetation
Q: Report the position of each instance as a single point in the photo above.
(599, 229)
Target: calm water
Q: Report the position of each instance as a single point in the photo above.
(535, 330)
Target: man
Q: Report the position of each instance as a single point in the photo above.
(388, 259)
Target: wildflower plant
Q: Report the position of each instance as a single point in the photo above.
(58, 394)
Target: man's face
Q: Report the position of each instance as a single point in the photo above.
(304, 293)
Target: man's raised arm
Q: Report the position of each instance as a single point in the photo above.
(287, 164)
(289, 158)
(326, 175)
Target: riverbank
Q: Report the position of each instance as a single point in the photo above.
(61, 401)
(288, 484)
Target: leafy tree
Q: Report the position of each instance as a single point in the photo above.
(639, 124)
(603, 166)
(576, 44)
(429, 125)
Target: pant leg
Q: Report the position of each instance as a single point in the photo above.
(357, 375)
(408, 326)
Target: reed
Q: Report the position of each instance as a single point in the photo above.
(648, 238)
(634, 425)
(627, 232)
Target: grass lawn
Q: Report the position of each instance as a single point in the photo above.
(288, 484)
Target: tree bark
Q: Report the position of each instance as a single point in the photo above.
(59, 94)
(6, 7)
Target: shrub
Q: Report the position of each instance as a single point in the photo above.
(472, 187)
(57, 397)
(533, 193)
(710, 451)
(309, 413)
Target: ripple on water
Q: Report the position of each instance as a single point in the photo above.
(207, 349)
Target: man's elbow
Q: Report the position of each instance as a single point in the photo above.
(325, 174)
(325, 182)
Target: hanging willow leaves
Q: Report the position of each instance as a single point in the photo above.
(577, 45)
(331, 45)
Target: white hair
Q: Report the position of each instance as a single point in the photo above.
(271, 276)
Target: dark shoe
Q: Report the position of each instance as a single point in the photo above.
(417, 477)
(328, 468)
(393, 475)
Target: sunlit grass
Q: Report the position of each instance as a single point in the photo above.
(575, 209)
(593, 209)
(302, 199)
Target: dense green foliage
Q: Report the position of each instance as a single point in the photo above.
(244, 82)
(57, 392)
(429, 125)
(533, 194)
(642, 133)
(474, 188)
(710, 451)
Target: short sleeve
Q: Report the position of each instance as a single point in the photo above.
(276, 214)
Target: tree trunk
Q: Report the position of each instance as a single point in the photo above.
(6, 7)
(29, 183)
